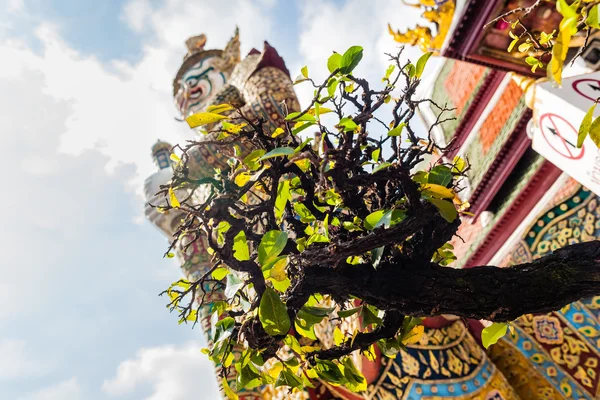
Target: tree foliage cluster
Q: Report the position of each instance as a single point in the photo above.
(342, 228)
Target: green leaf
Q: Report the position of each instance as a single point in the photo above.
(347, 124)
(410, 70)
(493, 333)
(319, 312)
(295, 116)
(381, 166)
(233, 285)
(356, 380)
(220, 273)
(247, 377)
(372, 220)
(304, 71)
(271, 245)
(584, 128)
(397, 131)
(303, 212)
(564, 9)
(592, 18)
(278, 152)
(251, 160)
(447, 209)
(375, 155)
(240, 247)
(333, 62)
(376, 255)
(332, 86)
(440, 175)
(300, 126)
(287, 378)
(283, 196)
(421, 62)
(369, 316)
(272, 313)
(293, 344)
(348, 313)
(389, 71)
(330, 372)
(350, 59)
(595, 131)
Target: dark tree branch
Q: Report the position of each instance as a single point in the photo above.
(491, 293)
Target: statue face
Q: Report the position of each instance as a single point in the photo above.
(198, 85)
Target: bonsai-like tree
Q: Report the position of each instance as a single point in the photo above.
(341, 227)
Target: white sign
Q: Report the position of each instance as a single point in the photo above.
(557, 116)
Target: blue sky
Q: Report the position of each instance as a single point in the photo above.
(84, 92)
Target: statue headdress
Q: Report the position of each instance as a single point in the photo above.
(227, 58)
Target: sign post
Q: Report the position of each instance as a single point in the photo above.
(557, 116)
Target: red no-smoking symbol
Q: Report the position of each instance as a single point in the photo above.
(588, 88)
(561, 136)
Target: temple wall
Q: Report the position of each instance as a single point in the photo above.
(456, 86)
(559, 351)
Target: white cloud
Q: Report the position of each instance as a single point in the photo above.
(65, 390)
(170, 372)
(330, 27)
(136, 13)
(17, 361)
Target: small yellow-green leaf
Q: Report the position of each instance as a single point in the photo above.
(277, 132)
(227, 390)
(389, 71)
(523, 47)
(204, 118)
(592, 18)
(447, 209)
(493, 333)
(304, 71)
(421, 62)
(271, 246)
(512, 44)
(585, 126)
(174, 202)
(410, 70)
(595, 131)
(220, 273)
(459, 164)
(240, 247)
(233, 128)
(397, 131)
(333, 62)
(175, 157)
